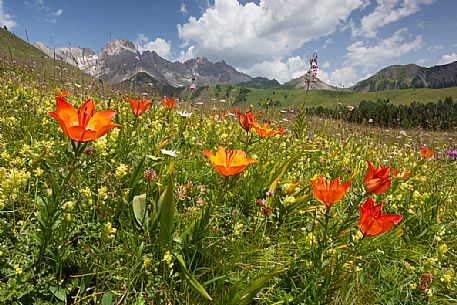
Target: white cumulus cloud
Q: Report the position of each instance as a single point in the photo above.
(281, 70)
(447, 58)
(366, 58)
(344, 77)
(161, 46)
(386, 12)
(6, 19)
(381, 54)
(261, 34)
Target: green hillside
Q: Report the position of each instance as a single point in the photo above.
(410, 76)
(285, 98)
(16, 55)
(14, 48)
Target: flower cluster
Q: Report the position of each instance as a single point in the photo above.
(247, 121)
(371, 221)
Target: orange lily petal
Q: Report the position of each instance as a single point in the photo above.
(100, 119)
(426, 152)
(169, 102)
(86, 112)
(84, 124)
(377, 180)
(138, 106)
(228, 163)
(61, 93)
(265, 131)
(327, 192)
(372, 222)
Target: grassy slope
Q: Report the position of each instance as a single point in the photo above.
(295, 98)
(16, 54)
(16, 48)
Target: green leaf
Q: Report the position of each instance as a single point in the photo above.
(191, 279)
(245, 296)
(186, 234)
(133, 182)
(58, 292)
(107, 298)
(277, 173)
(85, 282)
(140, 210)
(167, 214)
(136, 172)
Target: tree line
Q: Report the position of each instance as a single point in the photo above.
(437, 116)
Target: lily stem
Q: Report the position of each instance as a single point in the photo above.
(78, 149)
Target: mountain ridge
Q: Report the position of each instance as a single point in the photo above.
(410, 76)
(119, 60)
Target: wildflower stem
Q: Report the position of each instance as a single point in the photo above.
(248, 139)
(78, 149)
(327, 217)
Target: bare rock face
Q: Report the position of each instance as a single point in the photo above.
(83, 58)
(119, 60)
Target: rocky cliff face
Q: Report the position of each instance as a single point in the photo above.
(119, 60)
(83, 58)
(410, 76)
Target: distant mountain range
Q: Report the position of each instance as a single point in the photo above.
(119, 62)
(410, 76)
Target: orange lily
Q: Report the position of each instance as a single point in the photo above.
(228, 163)
(169, 102)
(217, 117)
(372, 222)
(377, 181)
(426, 152)
(329, 192)
(245, 120)
(138, 106)
(61, 93)
(265, 131)
(403, 177)
(84, 124)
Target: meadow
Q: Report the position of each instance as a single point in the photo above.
(174, 202)
(293, 98)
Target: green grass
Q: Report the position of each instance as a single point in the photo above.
(120, 221)
(294, 98)
(18, 56)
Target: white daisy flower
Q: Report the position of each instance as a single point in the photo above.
(171, 153)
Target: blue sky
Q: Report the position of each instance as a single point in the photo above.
(270, 38)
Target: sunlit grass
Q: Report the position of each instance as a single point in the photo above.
(141, 216)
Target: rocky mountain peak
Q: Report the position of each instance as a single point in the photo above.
(119, 60)
(117, 46)
(202, 60)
